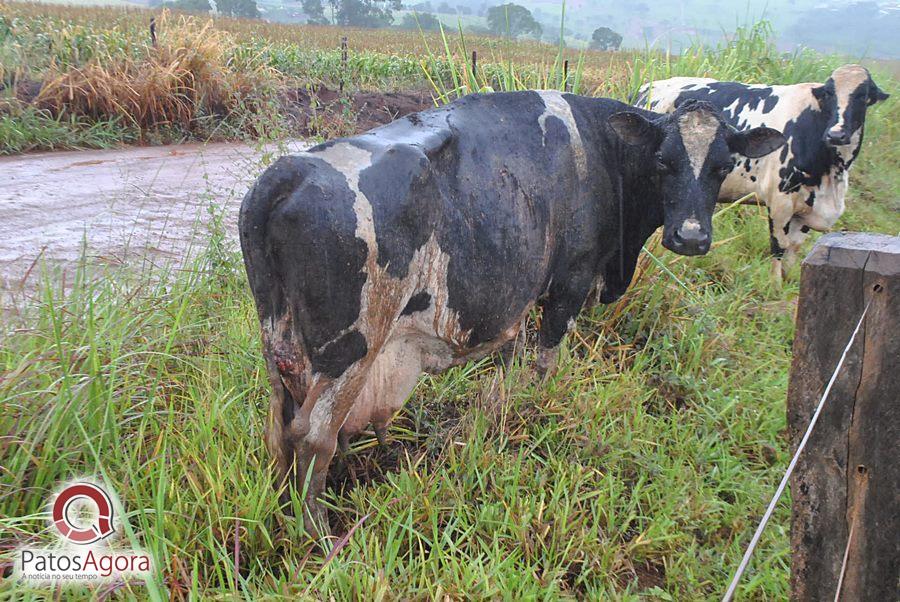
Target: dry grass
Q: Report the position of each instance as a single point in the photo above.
(185, 77)
(132, 26)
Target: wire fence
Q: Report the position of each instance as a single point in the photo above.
(729, 594)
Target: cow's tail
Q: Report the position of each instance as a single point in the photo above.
(282, 345)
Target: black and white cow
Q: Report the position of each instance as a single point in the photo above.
(803, 186)
(423, 244)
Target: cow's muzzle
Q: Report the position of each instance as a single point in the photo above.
(689, 239)
(837, 137)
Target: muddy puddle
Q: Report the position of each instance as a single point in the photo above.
(118, 206)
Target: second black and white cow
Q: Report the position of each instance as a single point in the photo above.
(422, 244)
(803, 186)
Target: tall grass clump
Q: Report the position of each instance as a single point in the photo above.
(453, 71)
(191, 75)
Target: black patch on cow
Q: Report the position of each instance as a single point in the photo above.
(496, 209)
(736, 97)
(804, 228)
(313, 259)
(287, 407)
(787, 228)
(774, 247)
(752, 178)
(340, 354)
(398, 186)
(811, 199)
(418, 302)
(812, 158)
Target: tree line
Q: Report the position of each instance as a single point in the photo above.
(508, 19)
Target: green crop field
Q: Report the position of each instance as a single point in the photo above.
(637, 472)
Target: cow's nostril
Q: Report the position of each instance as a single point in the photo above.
(837, 139)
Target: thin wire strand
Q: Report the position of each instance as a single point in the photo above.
(784, 481)
(837, 593)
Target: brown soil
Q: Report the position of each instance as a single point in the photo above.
(322, 111)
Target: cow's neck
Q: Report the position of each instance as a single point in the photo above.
(639, 211)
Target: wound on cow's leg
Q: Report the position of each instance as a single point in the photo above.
(281, 428)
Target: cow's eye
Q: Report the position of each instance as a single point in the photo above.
(661, 165)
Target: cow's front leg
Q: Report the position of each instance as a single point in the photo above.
(796, 235)
(781, 211)
(559, 310)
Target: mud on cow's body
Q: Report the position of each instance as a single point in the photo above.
(804, 185)
(423, 244)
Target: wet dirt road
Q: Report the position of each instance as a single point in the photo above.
(123, 205)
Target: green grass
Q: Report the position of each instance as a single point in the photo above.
(649, 454)
(26, 128)
(638, 472)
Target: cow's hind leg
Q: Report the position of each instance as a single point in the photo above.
(314, 433)
(306, 412)
(286, 366)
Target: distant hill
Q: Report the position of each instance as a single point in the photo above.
(867, 28)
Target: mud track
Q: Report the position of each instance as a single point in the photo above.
(118, 207)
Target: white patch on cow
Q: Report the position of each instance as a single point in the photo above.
(322, 414)
(731, 109)
(846, 150)
(664, 93)
(690, 225)
(350, 160)
(556, 106)
(846, 80)
(430, 340)
(698, 131)
(390, 380)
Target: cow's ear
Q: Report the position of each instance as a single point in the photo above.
(756, 142)
(635, 130)
(876, 94)
(823, 92)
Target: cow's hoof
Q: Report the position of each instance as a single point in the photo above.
(344, 441)
(776, 273)
(547, 363)
(381, 434)
(316, 520)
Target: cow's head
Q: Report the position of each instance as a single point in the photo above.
(691, 151)
(844, 98)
